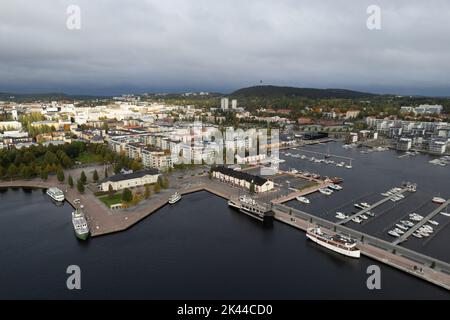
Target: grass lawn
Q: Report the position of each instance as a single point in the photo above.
(86, 158)
(110, 201)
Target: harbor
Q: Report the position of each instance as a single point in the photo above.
(283, 199)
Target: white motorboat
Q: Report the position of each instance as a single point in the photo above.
(341, 216)
(363, 216)
(365, 204)
(370, 214)
(401, 226)
(393, 233)
(399, 231)
(438, 200)
(357, 220)
(335, 187)
(357, 205)
(445, 214)
(303, 200)
(417, 235)
(433, 222)
(407, 223)
(325, 191)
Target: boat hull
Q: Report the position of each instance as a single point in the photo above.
(82, 236)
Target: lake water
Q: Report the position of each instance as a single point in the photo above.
(197, 249)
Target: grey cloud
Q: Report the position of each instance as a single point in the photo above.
(224, 45)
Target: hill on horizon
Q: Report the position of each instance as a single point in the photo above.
(311, 93)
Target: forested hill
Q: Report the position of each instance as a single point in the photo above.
(311, 93)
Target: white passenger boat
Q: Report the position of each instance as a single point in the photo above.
(174, 198)
(337, 243)
(56, 194)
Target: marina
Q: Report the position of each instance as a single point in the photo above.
(289, 187)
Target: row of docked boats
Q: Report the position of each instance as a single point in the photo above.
(316, 160)
(404, 225)
(328, 190)
(395, 194)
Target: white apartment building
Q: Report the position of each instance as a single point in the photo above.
(224, 103)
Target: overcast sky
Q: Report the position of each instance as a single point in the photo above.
(211, 45)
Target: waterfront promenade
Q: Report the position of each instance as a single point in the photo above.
(390, 257)
(103, 221)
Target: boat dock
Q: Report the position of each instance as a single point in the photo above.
(103, 221)
(303, 192)
(327, 154)
(414, 263)
(386, 199)
(417, 226)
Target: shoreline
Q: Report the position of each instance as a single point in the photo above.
(121, 221)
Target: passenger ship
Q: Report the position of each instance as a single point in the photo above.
(56, 194)
(80, 225)
(174, 198)
(251, 208)
(337, 243)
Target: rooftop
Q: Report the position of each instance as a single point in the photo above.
(134, 175)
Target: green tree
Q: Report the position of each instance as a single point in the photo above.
(252, 187)
(26, 172)
(70, 181)
(165, 183)
(83, 178)
(60, 174)
(111, 191)
(157, 187)
(2, 172)
(44, 174)
(95, 176)
(80, 186)
(147, 192)
(12, 170)
(127, 195)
